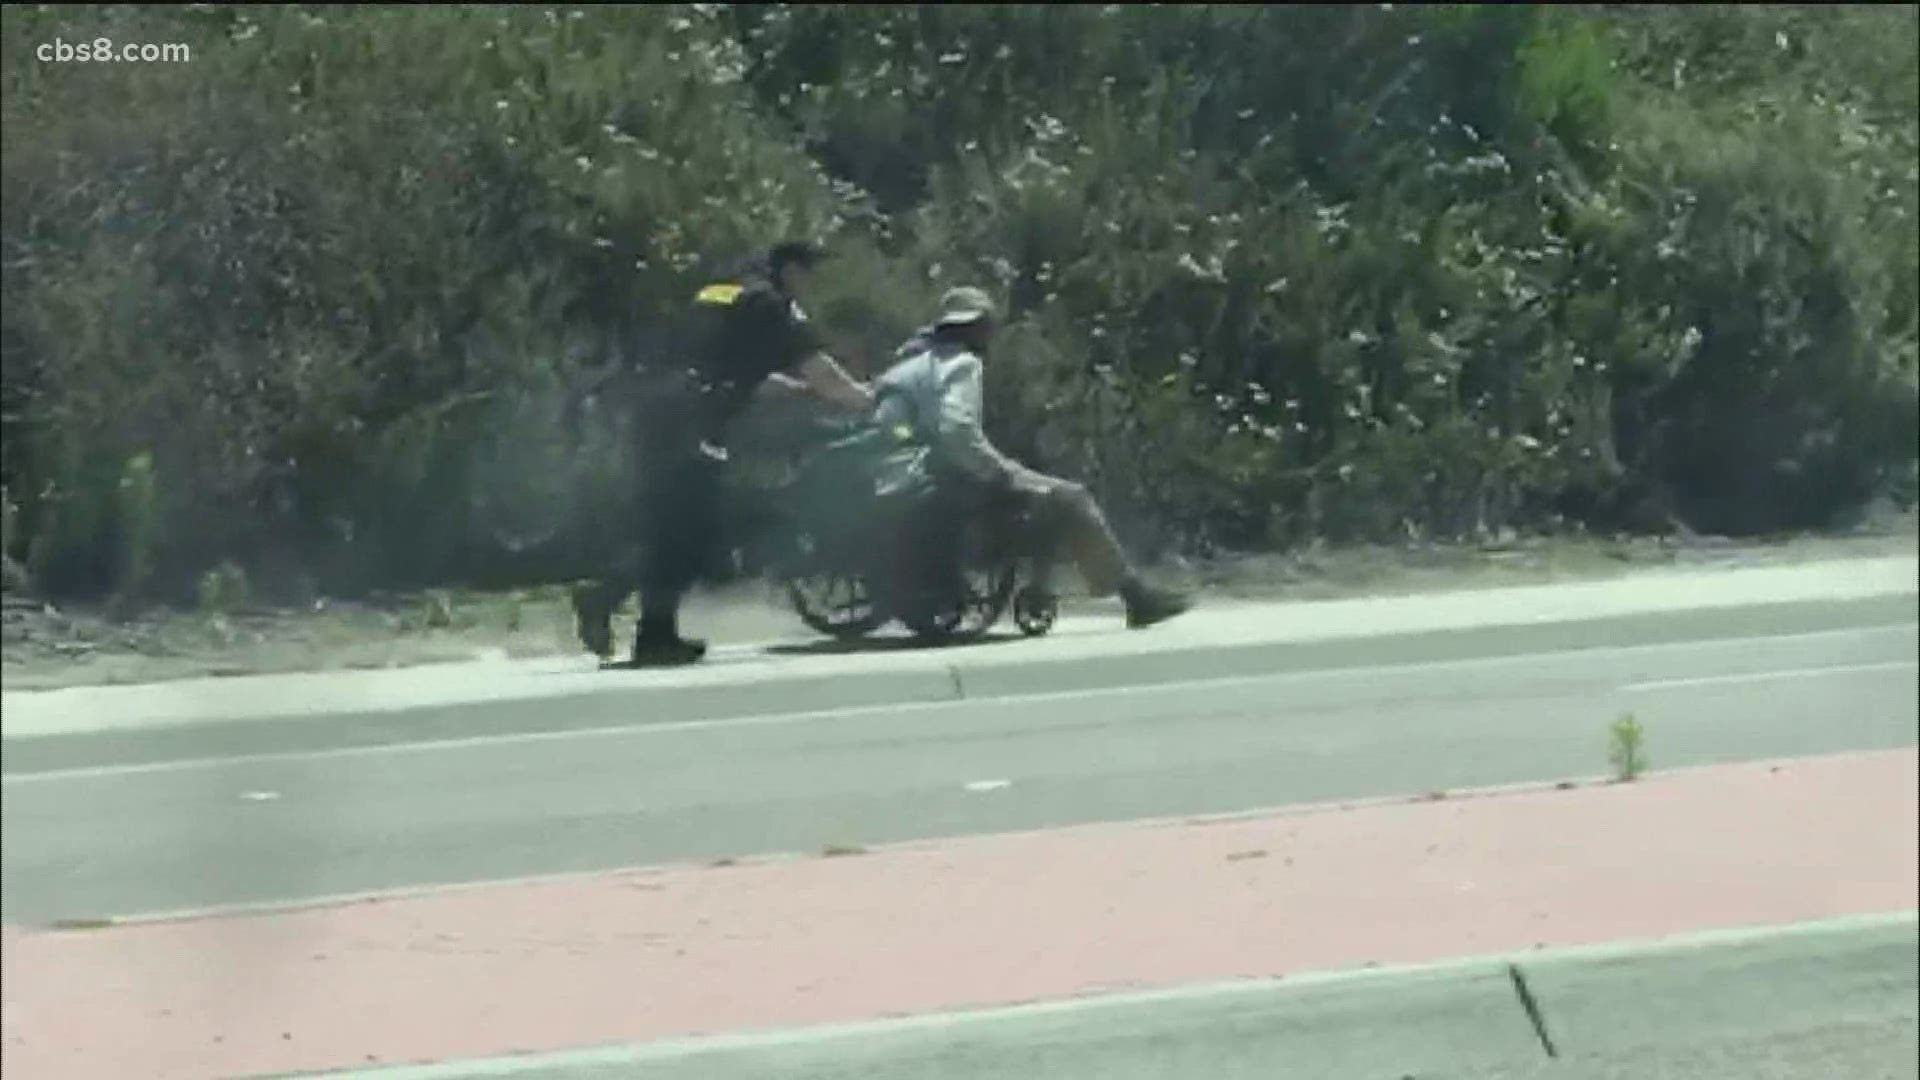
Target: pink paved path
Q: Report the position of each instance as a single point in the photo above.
(648, 954)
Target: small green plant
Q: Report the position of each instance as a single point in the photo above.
(12, 573)
(516, 611)
(1627, 748)
(8, 513)
(223, 589)
(437, 610)
(139, 525)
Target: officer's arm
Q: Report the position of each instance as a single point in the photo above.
(830, 382)
(779, 385)
(816, 370)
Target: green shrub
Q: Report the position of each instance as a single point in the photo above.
(1273, 274)
(139, 526)
(224, 590)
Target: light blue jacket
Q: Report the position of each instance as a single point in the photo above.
(936, 390)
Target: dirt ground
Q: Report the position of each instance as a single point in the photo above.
(48, 646)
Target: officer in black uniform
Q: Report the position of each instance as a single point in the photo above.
(749, 334)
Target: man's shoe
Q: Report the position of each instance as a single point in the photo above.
(593, 619)
(1147, 605)
(667, 651)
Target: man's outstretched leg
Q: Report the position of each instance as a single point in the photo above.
(1072, 511)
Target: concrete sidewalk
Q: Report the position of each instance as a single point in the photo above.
(1221, 641)
(1830, 999)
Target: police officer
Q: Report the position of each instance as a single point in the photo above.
(749, 335)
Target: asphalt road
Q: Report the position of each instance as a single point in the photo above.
(123, 837)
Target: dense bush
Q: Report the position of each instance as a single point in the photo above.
(334, 274)
(320, 300)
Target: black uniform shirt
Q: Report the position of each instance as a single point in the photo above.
(750, 335)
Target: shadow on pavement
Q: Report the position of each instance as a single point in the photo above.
(822, 647)
(834, 647)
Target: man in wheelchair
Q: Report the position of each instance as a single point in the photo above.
(935, 390)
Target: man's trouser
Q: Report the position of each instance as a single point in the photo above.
(1068, 519)
(1068, 514)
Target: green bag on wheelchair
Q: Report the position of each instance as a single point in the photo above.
(903, 474)
(872, 471)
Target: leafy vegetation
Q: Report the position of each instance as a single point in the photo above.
(317, 302)
(1627, 748)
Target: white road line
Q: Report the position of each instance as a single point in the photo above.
(642, 728)
(1769, 676)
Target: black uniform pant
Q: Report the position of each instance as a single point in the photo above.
(673, 535)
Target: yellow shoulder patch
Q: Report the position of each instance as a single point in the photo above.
(718, 294)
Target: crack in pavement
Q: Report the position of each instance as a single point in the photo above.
(1531, 1005)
